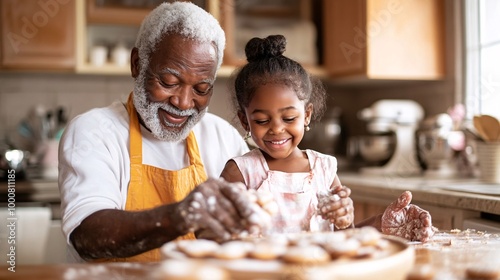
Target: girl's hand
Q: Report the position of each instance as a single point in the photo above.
(337, 207)
(407, 220)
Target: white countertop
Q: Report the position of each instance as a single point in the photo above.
(463, 193)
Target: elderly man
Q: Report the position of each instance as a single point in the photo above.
(137, 174)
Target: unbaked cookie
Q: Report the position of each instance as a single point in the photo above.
(233, 250)
(348, 248)
(265, 250)
(367, 236)
(198, 248)
(188, 270)
(311, 254)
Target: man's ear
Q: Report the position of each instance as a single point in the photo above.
(134, 62)
(308, 113)
(243, 120)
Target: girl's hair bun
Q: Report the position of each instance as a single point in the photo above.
(271, 46)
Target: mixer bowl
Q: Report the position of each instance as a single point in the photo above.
(376, 149)
(434, 149)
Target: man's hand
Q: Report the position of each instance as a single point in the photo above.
(221, 210)
(337, 207)
(407, 220)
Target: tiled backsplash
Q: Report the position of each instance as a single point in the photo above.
(20, 92)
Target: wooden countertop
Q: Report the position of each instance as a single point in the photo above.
(104, 271)
(36, 190)
(449, 254)
(467, 194)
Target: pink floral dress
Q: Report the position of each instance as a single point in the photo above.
(295, 193)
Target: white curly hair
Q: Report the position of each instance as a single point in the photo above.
(184, 18)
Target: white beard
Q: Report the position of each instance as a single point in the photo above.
(148, 111)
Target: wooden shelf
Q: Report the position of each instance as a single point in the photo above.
(108, 69)
(114, 14)
(225, 71)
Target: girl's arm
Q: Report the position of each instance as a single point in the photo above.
(232, 173)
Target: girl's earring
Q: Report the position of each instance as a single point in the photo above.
(248, 135)
(307, 128)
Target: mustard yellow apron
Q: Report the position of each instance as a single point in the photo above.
(152, 186)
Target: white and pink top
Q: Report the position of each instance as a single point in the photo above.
(295, 193)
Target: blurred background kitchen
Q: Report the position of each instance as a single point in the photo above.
(405, 80)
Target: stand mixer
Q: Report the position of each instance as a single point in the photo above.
(402, 118)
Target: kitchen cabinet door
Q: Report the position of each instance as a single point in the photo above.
(120, 12)
(297, 20)
(38, 35)
(384, 39)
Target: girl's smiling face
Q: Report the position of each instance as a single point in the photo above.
(276, 118)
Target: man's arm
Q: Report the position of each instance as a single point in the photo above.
(114, 233)
(223, 208)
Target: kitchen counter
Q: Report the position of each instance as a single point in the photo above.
(448, 255)
(79, 271)
(34, 190)
(465, 194)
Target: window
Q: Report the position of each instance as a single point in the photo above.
(482, 41)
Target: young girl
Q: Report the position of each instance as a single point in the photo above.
(277, 100)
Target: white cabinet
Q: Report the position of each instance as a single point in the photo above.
(55, 250)
(24, 235)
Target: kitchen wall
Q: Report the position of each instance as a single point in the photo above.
(20, 92)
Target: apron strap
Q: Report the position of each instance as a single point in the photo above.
(135, 137)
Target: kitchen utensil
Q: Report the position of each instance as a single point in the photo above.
(324, 136)
(471, 131)
(400, 117)
(376, 149)
(479, 128)
(437, 144)
(488, 156)
(491, 126)
(487, 126)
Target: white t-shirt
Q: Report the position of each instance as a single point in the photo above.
(94, 160)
